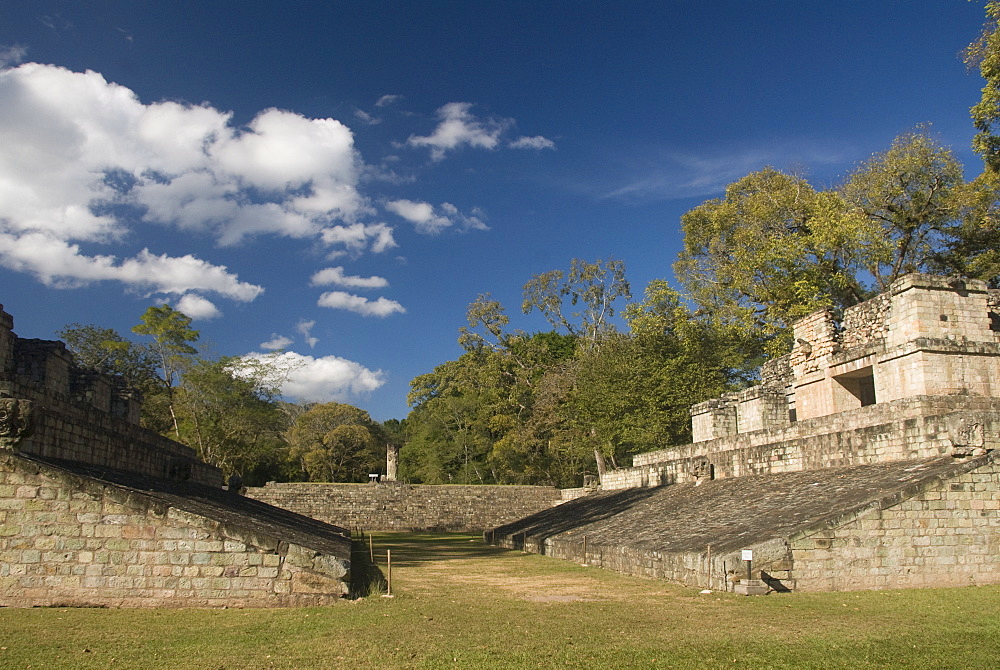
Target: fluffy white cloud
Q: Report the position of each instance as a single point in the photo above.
(536, 142)
(276, 342)
(60, 264)
(305, 329)
(360, 305)
(459, 127)
(420, 214)
(358, 237)
(81, 159)
(337, 277)
(197, 307)
(326, 379)
(430, 221)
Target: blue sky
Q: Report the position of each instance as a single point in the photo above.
(341, 179)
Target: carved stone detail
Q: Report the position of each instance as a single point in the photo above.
(17, 421)
(968, 438)
(702, 470)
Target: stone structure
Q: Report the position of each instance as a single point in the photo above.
(95, 510)
(864, 459)
(398, 506)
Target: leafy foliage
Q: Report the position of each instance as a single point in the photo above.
(334, 442)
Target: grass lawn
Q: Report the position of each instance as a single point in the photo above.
(459, 603)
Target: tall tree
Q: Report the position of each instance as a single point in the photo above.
(984, 54)
(912, 195)
(172, 337)
(581, 301)
(772, 250)
(335, 442)
(227, 413)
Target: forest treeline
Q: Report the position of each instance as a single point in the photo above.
(616, 373)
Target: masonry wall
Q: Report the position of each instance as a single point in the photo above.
(86, 417)
(947, 535)
(68, 540)
(906, 429)
(398, 506)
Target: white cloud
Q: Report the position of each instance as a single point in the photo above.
(366, 118)
(360, 305)
(197, 307)
(57, 263)
(82, 159)
(536, 142)
(387, 100)
(459, 127)
(359, 237)
(326, 379)
(12, 55)
(305, 329)
(420, 214)
(429, 221)
(276, 342)
(337, 277)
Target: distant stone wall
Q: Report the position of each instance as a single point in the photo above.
(398, 506)
(69, 540)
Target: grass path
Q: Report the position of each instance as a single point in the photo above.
(459, 603)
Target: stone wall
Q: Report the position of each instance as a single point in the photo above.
(85, 417)
(930, 522)
(94, 510)
(398, 506)
(72, 539)
(903, 430)
(946, 535)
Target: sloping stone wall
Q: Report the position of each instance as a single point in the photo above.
(398, 506)
(73, 538)
(945, 535)
(933, 522)
(94, 510)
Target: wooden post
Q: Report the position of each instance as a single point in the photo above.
(709, 566)
(585, 550)
(371, 550)
(388, 572)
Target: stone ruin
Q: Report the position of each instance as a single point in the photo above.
(96, 511)
(864, 459)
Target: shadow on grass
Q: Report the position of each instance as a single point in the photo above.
(410, 549)
(366, 577)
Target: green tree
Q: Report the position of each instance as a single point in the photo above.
(582, 301)
(227, 412)
(104, 350)
(984, 54)
(335, 442)
(172, 337)
(912, 195)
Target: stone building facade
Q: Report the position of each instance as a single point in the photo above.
(96, 511)
(864, 459)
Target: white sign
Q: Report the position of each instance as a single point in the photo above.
(748, 554)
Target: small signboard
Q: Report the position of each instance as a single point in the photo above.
(748, 554)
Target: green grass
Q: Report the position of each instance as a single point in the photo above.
(459, 603)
